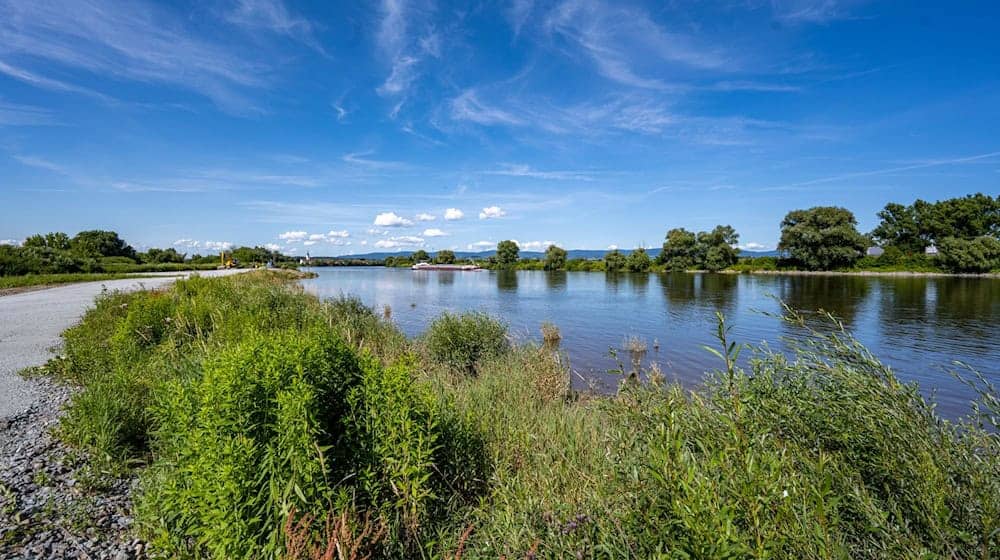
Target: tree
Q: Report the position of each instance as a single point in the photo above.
(420, 256)
(555, 258)
(247, 255)
(99, 243)
(155, 255)
(55, 240)
(914, 227)
(638, 261)
(507, 253)
(822, 238)
(445, 257)
(968, 217)
(981, 254)
(716, 248)
(614, 261)
(899, 229)
(711, 250)
(680, 250)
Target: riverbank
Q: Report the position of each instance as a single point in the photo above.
(236, 401)
(875, 273)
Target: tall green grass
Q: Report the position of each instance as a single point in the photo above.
(266, 423)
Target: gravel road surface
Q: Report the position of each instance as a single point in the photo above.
(30, 324)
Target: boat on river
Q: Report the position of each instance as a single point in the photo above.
(430, 266)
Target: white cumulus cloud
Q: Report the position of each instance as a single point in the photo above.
(189, 243)
(481, 245)
(272, 246)
(434, 232)
(390, 219)
(207, 245)
(399, 242)
(293, 236)
(534, 245)
(492, 212)
(612, 247)
(453, 214)
(752, 246)
(341, 234)
(425, 217)
(13, 242)
(218, 245)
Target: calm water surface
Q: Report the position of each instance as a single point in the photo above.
(919, 326)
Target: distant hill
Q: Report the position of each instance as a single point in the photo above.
(571, 254)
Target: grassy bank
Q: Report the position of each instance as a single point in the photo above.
(266, 423)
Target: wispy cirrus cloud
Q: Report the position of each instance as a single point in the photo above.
(40, 163)
(795, 12)
(468, 107)
(888, 170)
(405, 37)
(362, 159)
(15, 114)
(273, 16)
(612, 36)
(134, 40)
(750, 85)
(521, 170)
(615, 113)
(50, 83)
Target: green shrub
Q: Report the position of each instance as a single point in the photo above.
(241, 444)
(463, 342)
(293, 421)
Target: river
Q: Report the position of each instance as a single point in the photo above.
(919, 326)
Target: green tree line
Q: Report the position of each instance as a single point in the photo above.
(105, 251)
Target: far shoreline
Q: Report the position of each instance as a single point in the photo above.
(894, 273)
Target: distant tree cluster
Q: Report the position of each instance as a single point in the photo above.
(105, 251)
(706, 250)
(57, 252)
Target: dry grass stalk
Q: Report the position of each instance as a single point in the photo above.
(336, 541)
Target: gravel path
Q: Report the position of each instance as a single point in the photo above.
(52, 504)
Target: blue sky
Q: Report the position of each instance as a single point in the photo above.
(343, 128)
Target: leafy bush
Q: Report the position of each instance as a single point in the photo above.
(463, 342)
(243, 442)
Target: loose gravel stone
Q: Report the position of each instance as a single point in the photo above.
(44, 513)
